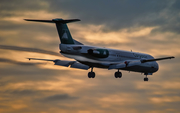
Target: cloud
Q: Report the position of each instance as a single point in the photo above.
(58, 97)
(145, 26)
(3, 60)
(21, 93)
(17, 6)
(118, 14)
(27, 49)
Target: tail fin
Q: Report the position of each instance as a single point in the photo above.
(62, 28)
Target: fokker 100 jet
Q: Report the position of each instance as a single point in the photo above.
(87, 57)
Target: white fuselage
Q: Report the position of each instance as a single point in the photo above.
(103, 57)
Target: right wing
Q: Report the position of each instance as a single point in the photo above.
(157, 59)
(66, 63)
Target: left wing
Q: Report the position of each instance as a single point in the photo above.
(130, 63)
(66, 63)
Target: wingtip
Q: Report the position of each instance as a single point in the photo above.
(26, 19)
(78, 19)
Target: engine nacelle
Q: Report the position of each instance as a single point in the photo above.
(99, 53)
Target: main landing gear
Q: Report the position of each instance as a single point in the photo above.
(91, 74)
(146, 78)
(118, 74)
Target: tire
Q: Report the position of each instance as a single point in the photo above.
(93, 75)
(145, 79)
(116, 74)
(89, 74)
(120, 75)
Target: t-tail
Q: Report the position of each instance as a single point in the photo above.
(62, 28)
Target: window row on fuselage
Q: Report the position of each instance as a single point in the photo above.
(122, 56)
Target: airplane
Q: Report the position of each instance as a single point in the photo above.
(89, 57)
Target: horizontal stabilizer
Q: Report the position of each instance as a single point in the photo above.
(58, 20)
(47, 21)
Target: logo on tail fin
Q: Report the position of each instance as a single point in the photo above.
(65, 36)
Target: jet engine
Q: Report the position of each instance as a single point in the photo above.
(99, 53)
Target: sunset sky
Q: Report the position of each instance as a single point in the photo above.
(146, 26)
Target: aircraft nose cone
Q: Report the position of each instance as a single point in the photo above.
(156, 66)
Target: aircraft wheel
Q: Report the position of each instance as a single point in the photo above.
(118, 74)
(91, 75)
(145, 79)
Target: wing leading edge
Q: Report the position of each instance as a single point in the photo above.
(151, 60)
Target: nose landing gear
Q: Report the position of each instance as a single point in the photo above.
(146, 74)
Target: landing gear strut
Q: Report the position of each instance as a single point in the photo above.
(118, 74)
(91, 74)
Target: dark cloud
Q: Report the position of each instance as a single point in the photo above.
(27, 49)
(41, 89)
(123, 14)
(58, 97)
(169, 27)
(33, 35)
(20, 93)
(4, 60)
(9, 9)
(46, 35)
(116, 14)
(23, 73)
(176, 5)
(5, 106)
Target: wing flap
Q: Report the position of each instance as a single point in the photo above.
(117, 66)
(79, 66)
(63, 62)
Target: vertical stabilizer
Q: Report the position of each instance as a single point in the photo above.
(63, 31)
